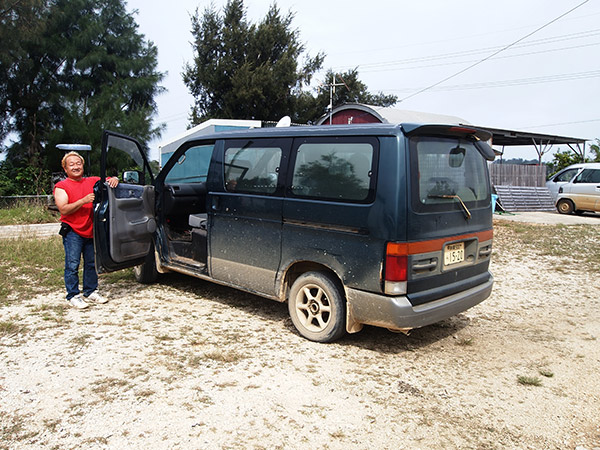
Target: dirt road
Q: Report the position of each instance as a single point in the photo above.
(185, 364)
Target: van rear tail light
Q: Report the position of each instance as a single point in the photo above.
(396, 268)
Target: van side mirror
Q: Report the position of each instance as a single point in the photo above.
(133, 177)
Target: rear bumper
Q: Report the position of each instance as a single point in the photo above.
(397, 313)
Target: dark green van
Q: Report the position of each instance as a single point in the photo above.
(385, 225)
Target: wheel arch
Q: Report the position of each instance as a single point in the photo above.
(296, 269)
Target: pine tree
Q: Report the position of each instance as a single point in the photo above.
(82, 67)
(243, 70)
(251, 71)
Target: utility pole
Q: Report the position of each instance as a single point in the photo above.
(332, 87)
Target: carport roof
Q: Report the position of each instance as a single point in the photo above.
(502, 137)
(514, 137)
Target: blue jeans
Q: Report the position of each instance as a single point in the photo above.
(75, 246)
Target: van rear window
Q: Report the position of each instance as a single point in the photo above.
(446, 172)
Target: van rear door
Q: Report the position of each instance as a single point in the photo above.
(449, 225)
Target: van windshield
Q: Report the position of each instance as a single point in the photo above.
(447, 172)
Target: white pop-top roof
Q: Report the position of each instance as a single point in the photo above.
(205, 128)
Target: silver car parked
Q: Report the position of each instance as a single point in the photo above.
(582, 192)
(562, 177)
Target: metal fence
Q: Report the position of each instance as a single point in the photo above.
(12, 200)
(518, 175)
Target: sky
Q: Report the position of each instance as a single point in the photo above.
(515, 64)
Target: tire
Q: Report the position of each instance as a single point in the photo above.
(565, 206)
(317, 307)
(146, 272)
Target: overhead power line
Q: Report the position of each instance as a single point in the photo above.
(453, 63)
(563, 123)
(515, 82)
(495, 53)
(479, 51)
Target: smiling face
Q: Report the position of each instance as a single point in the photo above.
(73, 166)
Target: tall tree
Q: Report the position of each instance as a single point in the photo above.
(349, 89)
(85, 67)
(246, 71)
(595, 151)
(564, 159)
(19, 19)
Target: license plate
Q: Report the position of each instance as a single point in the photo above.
(454, 253)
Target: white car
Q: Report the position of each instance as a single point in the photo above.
(582, 192)
(562, 177)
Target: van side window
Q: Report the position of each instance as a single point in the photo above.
(566, 175)
(333, 170)
(588, 176)
(252, 169)
(192, 166)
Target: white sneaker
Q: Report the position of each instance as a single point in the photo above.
(78, 302)
(97, 298)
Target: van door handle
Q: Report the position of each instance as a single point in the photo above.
(424, 265)
(215, 204)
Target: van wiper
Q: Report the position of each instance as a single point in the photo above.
(465, 209)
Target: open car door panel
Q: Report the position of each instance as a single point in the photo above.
(123, 226)
(124, 218)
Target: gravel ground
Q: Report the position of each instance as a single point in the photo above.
(185, 364)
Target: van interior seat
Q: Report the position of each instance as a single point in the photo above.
(198, 220)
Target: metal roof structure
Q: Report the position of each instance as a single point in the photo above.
(514, 137)
(362, 113)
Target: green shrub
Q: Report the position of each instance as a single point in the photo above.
(25, 211)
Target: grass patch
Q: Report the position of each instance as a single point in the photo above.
(24, 212)
(164, 338)
(31, 267)
(52, 313)
(82, 340)
(13, 429)
(546, 373)
(125, 275)
(223, 356)
(577, 245)
(338, 434)
(109, 389)
(10, 328)
(464, 341)
(52, 424)
(529, 381)
(144, 393)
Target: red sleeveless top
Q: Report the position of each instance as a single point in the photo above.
(81, 220)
